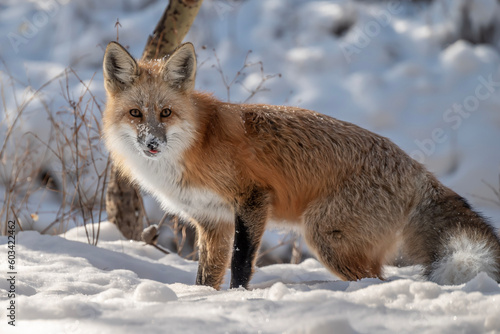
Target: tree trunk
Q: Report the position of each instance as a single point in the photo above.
(123, 206)
(172, 28)
(123, 201)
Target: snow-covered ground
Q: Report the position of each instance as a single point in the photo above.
(67, 286)
(392, 67)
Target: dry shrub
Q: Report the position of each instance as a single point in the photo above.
(53, 168)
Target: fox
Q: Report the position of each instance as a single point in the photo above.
(231, 170)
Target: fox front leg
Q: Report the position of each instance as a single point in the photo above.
(251, 217)
(214, 245)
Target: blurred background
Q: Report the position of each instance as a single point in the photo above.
(423, 73)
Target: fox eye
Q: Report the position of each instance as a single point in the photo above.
(135, 113)
(166, 112)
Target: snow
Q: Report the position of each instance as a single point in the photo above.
(65, 285)
(396, 68)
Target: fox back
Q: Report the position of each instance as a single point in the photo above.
(230, 169)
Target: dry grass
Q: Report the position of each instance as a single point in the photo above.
(494, 189)
(68, 166)
(240, 74)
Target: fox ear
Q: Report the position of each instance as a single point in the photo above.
(180, 69)
(120, 68)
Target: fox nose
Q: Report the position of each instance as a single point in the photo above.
(152, 145)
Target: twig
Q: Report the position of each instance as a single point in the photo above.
(246, 64)
(117, 26)
(160, 249)
(282, 242)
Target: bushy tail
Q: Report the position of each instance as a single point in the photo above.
(463, 256)
(453, 242)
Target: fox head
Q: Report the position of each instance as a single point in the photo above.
(148, 110)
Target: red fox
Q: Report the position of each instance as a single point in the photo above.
(230, 169)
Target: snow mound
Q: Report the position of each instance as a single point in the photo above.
(154, 292)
